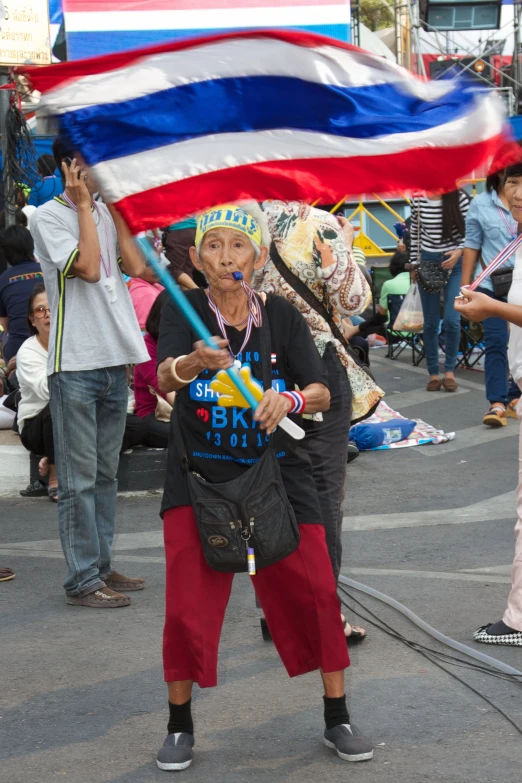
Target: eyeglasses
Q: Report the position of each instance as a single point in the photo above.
(41, 312)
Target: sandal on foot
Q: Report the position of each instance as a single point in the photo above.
(512, 409)
(52, 492)
(434, 385)
(356, 635)
(6, 574)
(104, 598)
(125, 584)
(496, 416)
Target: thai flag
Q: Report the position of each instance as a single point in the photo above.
(96, 27)
(173, 129)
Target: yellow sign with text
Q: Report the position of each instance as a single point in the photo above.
(368, 245)
(24, 32)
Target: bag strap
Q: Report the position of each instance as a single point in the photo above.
(304, 292)
(497, 262)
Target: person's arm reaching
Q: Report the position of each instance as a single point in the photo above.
(85, 260)
(472, 243)
(469, 262)
(477, 307)
(132, 261)
(185, 281)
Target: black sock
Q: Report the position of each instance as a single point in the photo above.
(335, 711)
(180, 718)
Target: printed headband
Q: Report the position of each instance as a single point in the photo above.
(229, 216)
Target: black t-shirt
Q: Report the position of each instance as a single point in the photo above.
(222, 443)
(16, 286)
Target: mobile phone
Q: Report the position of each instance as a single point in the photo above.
(68, 163)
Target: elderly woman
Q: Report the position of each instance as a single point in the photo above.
(221, 444)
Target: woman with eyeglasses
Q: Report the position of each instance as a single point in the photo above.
(34, 416)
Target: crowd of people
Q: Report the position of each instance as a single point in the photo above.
(85, 319)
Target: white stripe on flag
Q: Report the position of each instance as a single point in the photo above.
(126, 176)
(235, 59)
(210, 19)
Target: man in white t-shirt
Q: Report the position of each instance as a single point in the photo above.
(83, 246)
(478, 306)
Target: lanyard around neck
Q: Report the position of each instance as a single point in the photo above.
(254, 316)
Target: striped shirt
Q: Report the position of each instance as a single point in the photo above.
(428, 235)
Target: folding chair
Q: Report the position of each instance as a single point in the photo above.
(399, 341)
(379, 275)
(472, 346)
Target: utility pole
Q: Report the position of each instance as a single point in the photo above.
(7, 185)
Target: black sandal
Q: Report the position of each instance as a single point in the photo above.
(52, 493)
(357, 634)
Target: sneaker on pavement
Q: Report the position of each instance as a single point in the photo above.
(349, 743)
(104, 598)
(123, 584)
(496, 416)
(176, 753)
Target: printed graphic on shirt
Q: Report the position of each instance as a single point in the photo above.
(28, 276)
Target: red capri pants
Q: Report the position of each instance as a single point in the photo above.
(297, 594)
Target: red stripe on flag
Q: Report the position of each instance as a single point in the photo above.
(99, 6)
(49, 77)
(306, 180)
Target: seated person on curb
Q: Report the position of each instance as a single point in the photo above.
(16, 285)
(34, 415)
(144, 429)
(223, 444)
(399, 284)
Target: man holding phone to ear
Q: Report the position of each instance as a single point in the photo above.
(83, 246)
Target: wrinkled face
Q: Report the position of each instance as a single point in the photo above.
(41, 316)
(513, 194)
(224, 251)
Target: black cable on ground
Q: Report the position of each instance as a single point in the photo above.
(431, 655)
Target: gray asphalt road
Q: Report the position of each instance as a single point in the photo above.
(82, 697)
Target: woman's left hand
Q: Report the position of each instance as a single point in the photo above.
(271, 410)
(452, 258)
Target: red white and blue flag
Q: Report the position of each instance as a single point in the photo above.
(97, 27)
(173, 129)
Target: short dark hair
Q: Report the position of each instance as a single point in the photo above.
(513, 171)
(20, 218)
(62, 148)
(17, 244)
(398, 263)
(37, 290)
(46, 165)
(152, 324)
(494, 181)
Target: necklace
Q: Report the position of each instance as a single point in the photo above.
(253, 319)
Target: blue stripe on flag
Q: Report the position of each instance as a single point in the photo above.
(113, 130)
(94, 44)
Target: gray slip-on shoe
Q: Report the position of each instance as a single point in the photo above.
(176, 753)
(349, 743)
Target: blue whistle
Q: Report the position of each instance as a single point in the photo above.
(237, 275)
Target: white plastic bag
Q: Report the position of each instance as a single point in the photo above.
(410, 317)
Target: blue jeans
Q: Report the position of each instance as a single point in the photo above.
(496, 337)
(451, 322)
(88, 410)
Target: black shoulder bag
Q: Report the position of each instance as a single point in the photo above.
(321, 309)
(251, 511)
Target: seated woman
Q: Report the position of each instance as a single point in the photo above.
(34, 416)
(398, 284)
(152, 433)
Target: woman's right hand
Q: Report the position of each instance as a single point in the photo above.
(209, 358)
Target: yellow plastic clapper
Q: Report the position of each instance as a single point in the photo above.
(231, 397)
